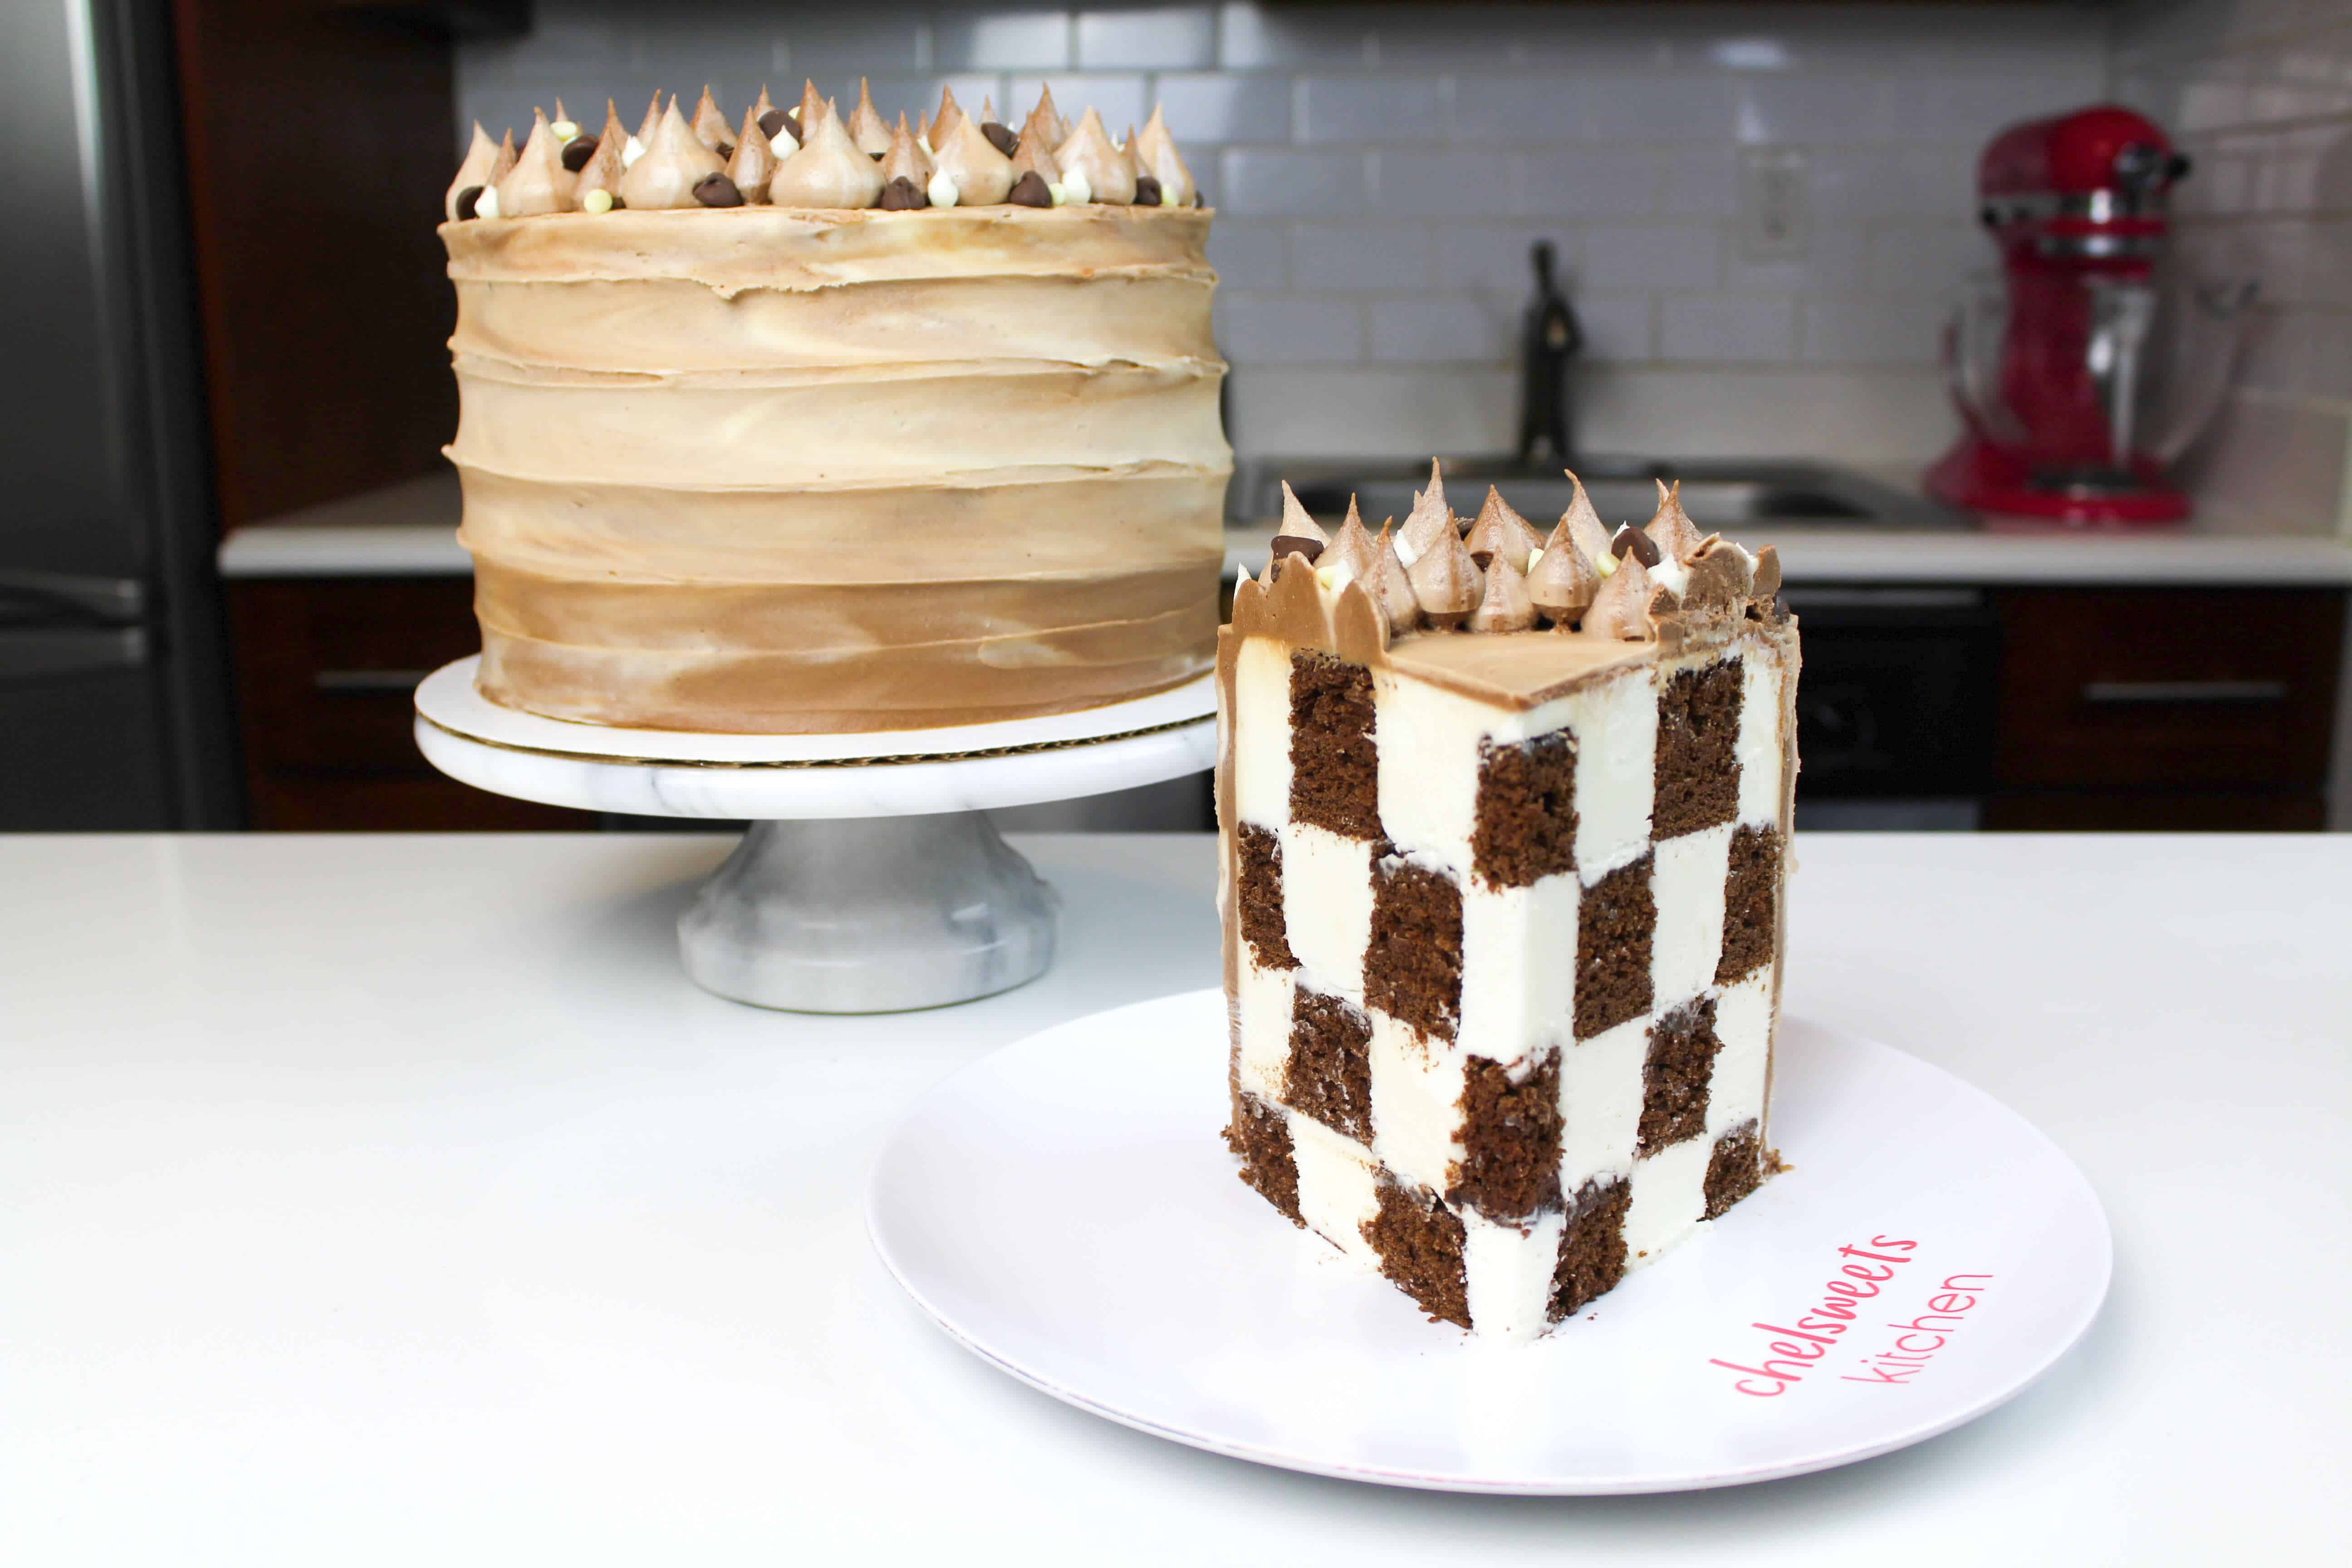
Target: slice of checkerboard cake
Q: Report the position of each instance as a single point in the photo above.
(1504, 822)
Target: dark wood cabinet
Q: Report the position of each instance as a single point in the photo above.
(326, 670)
(2165, 708)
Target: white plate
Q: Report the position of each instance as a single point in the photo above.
(1065, 1209)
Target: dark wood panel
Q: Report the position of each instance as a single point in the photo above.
(326, 671)
(2167, 689)
(318, 140)
(2121, 813)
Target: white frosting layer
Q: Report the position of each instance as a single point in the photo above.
(1262, 732)
(1265, 1011)
(1669, 1200)
(1687, 885)
(1757, 749)
(1600, 1104)
(1327, 902)
(1338, 1191)
(1521, 942)
(1416, 1104)
(1616, 730)
(1508, 1273)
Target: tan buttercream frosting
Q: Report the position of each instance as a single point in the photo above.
(1088, 154)
(1498, 530)
(838, 470)
(1156, 155)
(866, 127)
(981, 175)
(710, 127)
(479, 170)
(675, 160)
(538, 182)
(754, 161)
(829, 171)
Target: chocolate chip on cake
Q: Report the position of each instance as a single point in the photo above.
(773, 122)
(577, 152)
(792, 124)
(1031, 191)
(469, 201)
(716, 191)
(902, 195)
(1288, 546)
(1001, 137)
(1645, 548)
(1147, 190)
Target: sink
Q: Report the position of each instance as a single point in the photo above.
(1722, 495)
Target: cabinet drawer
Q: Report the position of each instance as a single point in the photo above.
(327, 669)
(2172, 688)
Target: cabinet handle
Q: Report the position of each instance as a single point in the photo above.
(2116, 693)
(368, 679)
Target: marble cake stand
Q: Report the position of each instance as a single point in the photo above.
(871, 879)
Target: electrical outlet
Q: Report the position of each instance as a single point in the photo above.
(1774, 183)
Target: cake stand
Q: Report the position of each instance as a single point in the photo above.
(871, 879)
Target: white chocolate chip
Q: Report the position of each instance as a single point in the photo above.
(942, 190)
(1533, 556)
(1606, 565)
(1168, 197)
(487, 204)
(1060, 194)
(1406, 553)
(631, 150)
(597, 202)
(1077, 188)
(563, 130)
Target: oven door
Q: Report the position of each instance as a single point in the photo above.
(1895, 706)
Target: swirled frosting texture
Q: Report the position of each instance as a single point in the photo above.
(773, 470)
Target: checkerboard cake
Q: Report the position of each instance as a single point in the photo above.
(1503, 848)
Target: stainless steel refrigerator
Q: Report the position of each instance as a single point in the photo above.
(114, 677)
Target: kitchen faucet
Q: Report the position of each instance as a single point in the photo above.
(1546, 426)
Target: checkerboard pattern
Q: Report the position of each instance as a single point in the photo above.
(1505, 984)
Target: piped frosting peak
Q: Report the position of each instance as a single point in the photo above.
(673, 164)
(829, 171)
(960, 161)
(1638, 586)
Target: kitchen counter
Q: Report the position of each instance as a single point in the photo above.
(376, 1199)
(411, 531)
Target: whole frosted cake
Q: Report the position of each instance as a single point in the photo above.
(1502, 903)
(807, 422)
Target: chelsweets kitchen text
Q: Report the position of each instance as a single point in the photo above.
(1808, 1345)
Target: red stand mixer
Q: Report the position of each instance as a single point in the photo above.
(2088, 364)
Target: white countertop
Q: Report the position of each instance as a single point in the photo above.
(396, 1200)
(411, 531)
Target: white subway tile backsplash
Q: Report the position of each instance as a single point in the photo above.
(1589, 182)
(1654, 256)
(834, 42)
(1360, 256)
(1698, 181)
(1223, 107)
(1288, 329)
(1287, 184)
(1518, 109)
(1721, 327)
(1004, 40)
(1871, 329)
(1499, 259)
(1441, 329)
(1259, 37)
(1811, 108)
(1369, 108)
(1670, 108)
(1118, 97)
(1249, 255)
(1445, 184)
(1615, 326)
(1832, 262)
(1926, 258)
(1155, 37)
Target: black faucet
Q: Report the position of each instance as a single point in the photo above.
(1546, 428)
